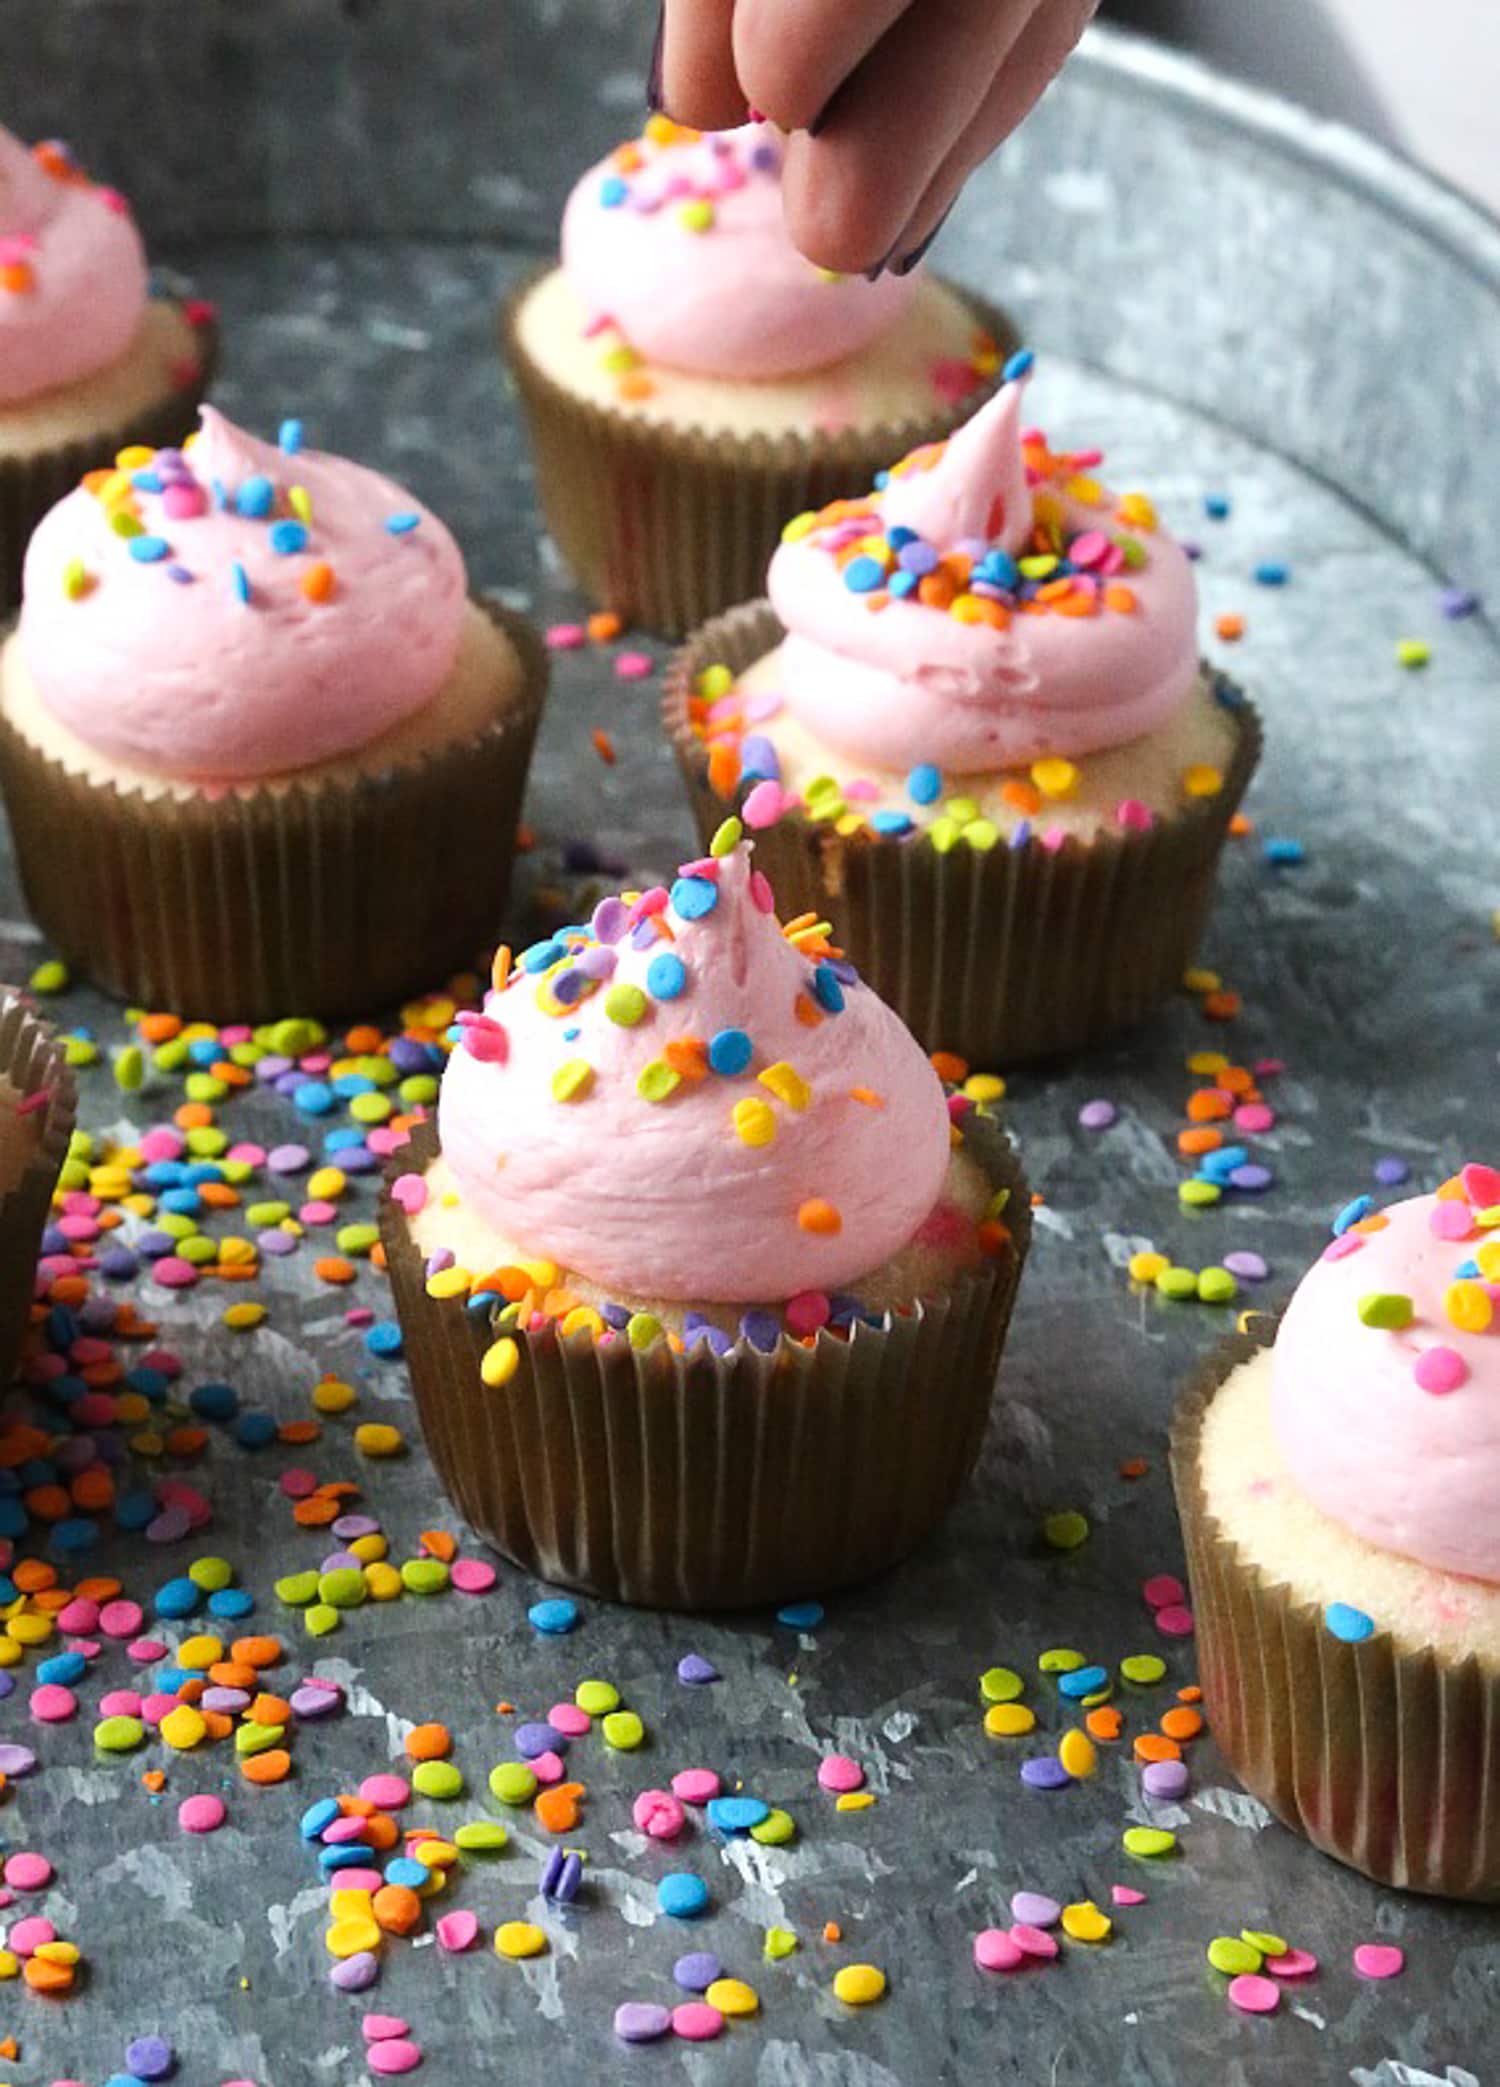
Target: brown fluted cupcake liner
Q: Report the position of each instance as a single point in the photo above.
(31, 1058)
(697, 1481)
(669, 525)
(31, 485)
(1387, 1760)
(1005, 955)
(328, 898)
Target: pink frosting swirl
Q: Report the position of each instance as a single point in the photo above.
(1386, 1382)
(239, 610)
(72, 272)
(673, 1101)
(991, 606)
(679, 240)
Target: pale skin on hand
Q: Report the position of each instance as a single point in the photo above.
(889, 105)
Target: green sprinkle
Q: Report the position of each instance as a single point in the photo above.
(625, 1004)
(512, 1782)
(372, 1108)
(775, 1830)
(1268, 1945)
(572, 1080)
(1387, 1309)
(963, 809)
(1234, 1958)
(198, 1251)
(174, 1224)
(171, 1056)
(1177, 1283)
(295, 1037)
(596, 1698)
(697, 215)
(251, 1738)
(1061, 1659)
(1198, 1195)
(728, 838)
(1133, 551)
(380, 1070)
(118, 1735)
(76, 579)
(207, 1143)
(780, 1942)
(943, 834)
(80, 1050)
(204, 1086)
(418, 1087)
(657, 1080)
(1000, 1685)
(343, 1588)
(125, 524)
(1067, 1530)
(480, 1836)
(236, 1171)
(1217, 1286)
(424, 1575)
(320, 1619)
(1150, 1841)
(356, 1239)
(438, 1779)
(130, 1068)
(297, 1589)
(642, 1329)
(981, 835)
(262, 1216)
(211, 1574)
(1412, 652)
(1143, 1669)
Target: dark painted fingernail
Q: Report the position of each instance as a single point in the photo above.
(653, 70)
(909, 261)
(819, 122)
(873, 275)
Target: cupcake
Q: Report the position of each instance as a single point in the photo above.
(691, 379)
(37, 1103)
(703, 1282)
(1338, 1477)
(261, 752)
(89, 360)
(973, 722)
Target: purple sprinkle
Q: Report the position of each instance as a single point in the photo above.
(7, 1682)
(150, 2057)
(170, 1526)
(1097, 1115)
(276, 1242)
(551, 1875)
(358, 1159)
(342, 1561)
(274, 1067)
(354, 1973)
(1390, 1171)
(313, 1701)
(719, 1342)
(596, 963)
(288, 1159)
(118, 1263)
(611, 919)
(531, 1740)
(696, 1972)
(1046, 1773)
(641, 2022)
(1189, 550)
(1035, 1910)
(618, 1316)
(1247, 1265)
(229, 1700)
(347, 1527)
(569, 1879)
(16, 1761)
(694, 1671)
(1165, 1779)
(1458, 602)
(1251, 1178)
(759, 760)
(154, 1244)
(438, 1260)
(762, 1330)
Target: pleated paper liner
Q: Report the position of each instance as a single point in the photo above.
(704, 1482)
(31, 1058)
(31, 485)
(1006, 955)
(322, 899)
(669, 525)
(1387, 1760)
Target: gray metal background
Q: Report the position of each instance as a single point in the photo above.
(1230, 299)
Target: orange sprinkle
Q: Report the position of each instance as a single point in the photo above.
(603, 625)
(1021, 796)
(396, 1908)
(381, 1832)
(218, 1194)
(815, 1215)
(100, 1589)
(687, 1055)
(557, 1808)
(93, 1489)
(1105, 1723)
(429, 1742)
(1191, 1694)
(273, 1766)
(832, 1932)
(1134, 1467)
(1156, 1746)
(318, 582)
(33, 1574)
(635, 384)
(231, 1673)
(1182, 1724)
(1191, 1142)
(333, 1268)
(1221, 1007)
(256, 1652)
(1119, 598)
(723, 768)
(193, 1115)
(868, 1096)
(1209, 1105)
(1375, 1222)
(807, 1011)
(438, 1543)
(991, 1236)
(1229, 628)
(1240, 825)
(17, 276)
(156, 1029)
(45, 1977)
(294, 1431)
(270, 1710)
(187, 1442)
(950, 1067)
(604, 746)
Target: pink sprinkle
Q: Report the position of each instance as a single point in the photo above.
(396, 2055)
(566, 637)
(1481, 1185)
(202, 1814)
(410, 1191)
(634, 666)
(173, 1273)
(696, 2022)
(547, 1767)
(360, 1880)
(1175, 1621)
(1450, 1219)
(386, 1792)
(861, 792)
(1341, 1248)
(376, 2029)
(484, 1039)
(252, 1155)
(763, 806)
(839, 1772)
(1088, 549)
(359, 1315)
(458, 1931)
(162, 1144)
(952, 378)
(1371, 1959)
(1127, 1895)
(384, 1139)
(120, 1702)
(1440, 1370)
(297, 1482)
(471, 1575)
(318, 1213)
(994, 1950)
(696, 1785)
(1293, 1963)
(1254, 1116)
(145, 1651)
(81, 1614)
(1254, 1995)
(52, 1704)
(1163, 1590)
(26, 1872)
(1134, 816)
(659, 1813)
(568, 1719)
(1053, 839)
(1033, 1942)
(28, 1935)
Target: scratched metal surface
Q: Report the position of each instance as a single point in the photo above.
(1228, 302)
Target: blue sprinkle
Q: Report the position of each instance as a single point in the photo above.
(555, 1617)
(729, 1052)
(340, 1140)
(76, 1533)
(762, 1330)
(1216, 506)
(900, 535)
(344, 1855)
(542, 956)
(827, 991)
(255, 498)
(1284, 854)
(65, 1668)
(682, 1895)
(1001, 570)
(220, 493)
(404, 1869)
(287, 537)
(1348, 1623)
(314, 1098)
(759, 761)
(255, 1430)
(1083, 1681)
(1017, 366)
(925, 783)
(402, 524)
(1271, 574)
(1466, 1272)
(1351, 1214)
(881, 480)
(693, 897)
(613, 192)
(736, 1814)
(230, 1603)
(863, 575)
(170, 1679)
(666, 976)
(317, 1816)
(903, 583)
(1021, 836)
(214, 1401)
(893, 823)
(133, 1510)
(239, 580)
(801, 1615)
(178, 1598)
(291, 437)
(147, 481)
(1047, 1773)
(149, 550)
(1391, 1171)
(13, 1518)
(181, 575)
(384, 1338)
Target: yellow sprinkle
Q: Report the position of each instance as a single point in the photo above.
(369, 1549)
(543, 1274)
(1137, 511)
(1468, 1306)
(583, 1319)
(572, 1080)
(753, 1121)
(858, 1984)
(449, 1282)
(237, 1253)
(984, 1086)
(855, 1801)
(1078, 1754)
(10, 1965)
(349, 1938)
(77, 579)
(383, 1581)
(243, 1316)
(182, 1728)
(1055, 777)
(375, 1438)
(787, 1084)
(297, 500)
(1085, 1923)
(500, 1363)
(1145, 1268)
(58, 1952)
(717, 680)
(200, 1652)
(1202, 780)
(519, 1938)
(30, 1630)
(332, 1395)
(327, 1184)
(731, 1996)
(344, 1904)
(1199, 980)
(1009, 1720)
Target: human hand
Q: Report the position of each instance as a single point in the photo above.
(889, 105)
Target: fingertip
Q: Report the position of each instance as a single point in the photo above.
(839, 211)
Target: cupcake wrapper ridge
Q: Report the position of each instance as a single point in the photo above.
(669, 525)
(697, 1481)
(32, 1059)
(1004, 955)
(1387, 1760)
(319, 900)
